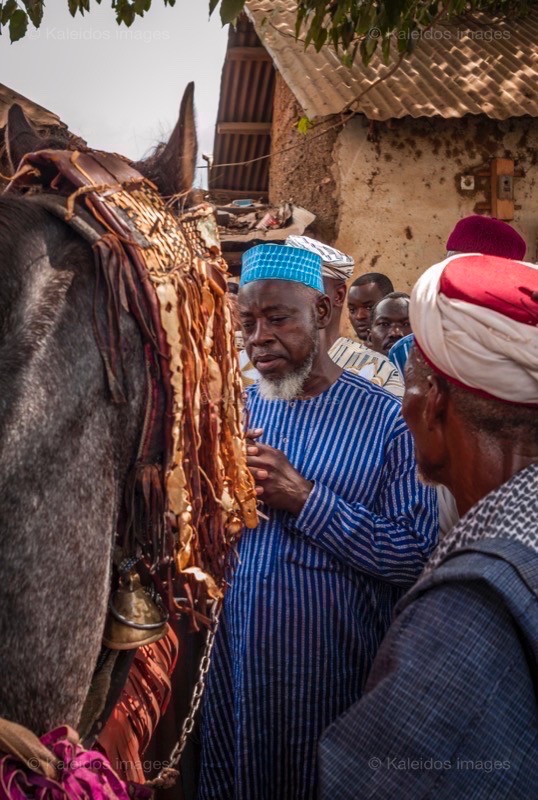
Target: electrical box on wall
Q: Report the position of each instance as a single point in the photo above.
(499, 176)
(505, 187)
(502, 188)
(467, 183)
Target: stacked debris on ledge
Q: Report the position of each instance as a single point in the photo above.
(244, 216)
(245, 223)
(248, 220)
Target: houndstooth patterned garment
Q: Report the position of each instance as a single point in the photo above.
(488, 518)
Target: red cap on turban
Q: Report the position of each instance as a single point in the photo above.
(491, 237)
(475, 321)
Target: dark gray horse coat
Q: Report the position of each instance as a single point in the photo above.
(65, 449)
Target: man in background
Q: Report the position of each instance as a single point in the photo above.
(474, 234)
(363, 294)
(336, 268)
(389, 322)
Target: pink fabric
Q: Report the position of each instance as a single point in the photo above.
(82, 775)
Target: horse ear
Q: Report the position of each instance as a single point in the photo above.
(173, 166)
(21, 137)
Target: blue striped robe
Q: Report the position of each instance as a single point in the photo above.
(312, 596)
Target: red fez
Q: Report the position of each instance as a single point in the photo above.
(491, 237)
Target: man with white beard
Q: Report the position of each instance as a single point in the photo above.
(346, 528)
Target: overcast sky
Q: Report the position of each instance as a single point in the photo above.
(117, 87)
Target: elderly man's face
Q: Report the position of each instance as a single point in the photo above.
(430, 442)
(280, 322)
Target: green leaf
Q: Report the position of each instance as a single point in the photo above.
(212, 6)
(35, 11)
(301, 14)
(347, 33)
(385, 49)
(126, 15)
(304, 125)
(364, 23)
(346, 59)
(230, 10)
(141, 6)
(7, 11)
(18, 25)
(320, 39)
(72, 5)
(367, 49)
(335, 38)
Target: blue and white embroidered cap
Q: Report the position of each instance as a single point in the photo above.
(282, 263)
(335, 264)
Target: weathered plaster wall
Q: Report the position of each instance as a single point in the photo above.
(400, 195)
(303, 174)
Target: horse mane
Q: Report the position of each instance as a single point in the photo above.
(28, 236)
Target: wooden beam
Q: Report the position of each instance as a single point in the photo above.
(247, 54)
(222, 196)
(245, 128)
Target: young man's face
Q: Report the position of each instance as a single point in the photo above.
(360, 301)
(390, 323)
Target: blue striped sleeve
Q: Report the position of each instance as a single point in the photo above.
(391, 540)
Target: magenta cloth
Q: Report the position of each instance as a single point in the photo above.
(491, 237)
(82, 775)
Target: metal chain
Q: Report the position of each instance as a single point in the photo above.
(198, 691)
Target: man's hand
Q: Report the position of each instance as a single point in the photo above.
(278, 484)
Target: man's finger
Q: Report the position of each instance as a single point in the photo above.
(259, 472)
(258, 462)
(261, 448)
(254, 433)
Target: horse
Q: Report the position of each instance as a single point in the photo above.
(66, 449)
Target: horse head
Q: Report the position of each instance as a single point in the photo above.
(171, 166)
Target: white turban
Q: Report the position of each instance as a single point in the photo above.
(475, 322)
(335, 264)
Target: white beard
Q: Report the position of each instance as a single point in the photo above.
(289, 387)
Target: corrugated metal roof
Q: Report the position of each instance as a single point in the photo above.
(36, 114)
(488, 68)
(243, 130)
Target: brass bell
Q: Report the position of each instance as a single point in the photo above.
(134, 619)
